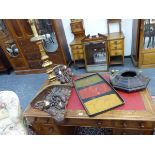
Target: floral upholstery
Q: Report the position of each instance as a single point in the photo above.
(11, 120)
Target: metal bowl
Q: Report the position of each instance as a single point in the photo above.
(129, 80)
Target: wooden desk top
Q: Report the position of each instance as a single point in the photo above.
(138, 115)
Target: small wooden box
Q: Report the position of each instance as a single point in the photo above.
(77, 26)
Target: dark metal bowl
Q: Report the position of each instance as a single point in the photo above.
(129, 80)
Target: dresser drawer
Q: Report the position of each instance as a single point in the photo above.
(134, 124)
(89, 123)
(116, 47)
(81, 56)
(77, 56)
(77, 51)
(115, 42)
(132, 132)
(116, 52)
(75, 47)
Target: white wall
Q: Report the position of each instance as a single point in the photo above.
(94, 26)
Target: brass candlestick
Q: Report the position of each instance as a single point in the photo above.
(47, 64)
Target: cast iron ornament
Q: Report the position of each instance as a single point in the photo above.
(128, 80)
(63, 74)
(55, 102)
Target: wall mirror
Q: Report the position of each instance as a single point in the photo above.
(149, 34)
(45, 28)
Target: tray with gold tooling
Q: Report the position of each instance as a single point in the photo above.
(96, 94)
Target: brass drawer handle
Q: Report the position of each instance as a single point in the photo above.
(99, 123)
(124, 124)
(115, 47)
(142, 125)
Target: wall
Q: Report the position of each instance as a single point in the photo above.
(94, 26)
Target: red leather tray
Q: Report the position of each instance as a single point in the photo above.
(133, 101)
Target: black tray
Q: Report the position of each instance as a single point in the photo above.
(101, 81)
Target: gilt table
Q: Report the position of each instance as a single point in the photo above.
(136, 116)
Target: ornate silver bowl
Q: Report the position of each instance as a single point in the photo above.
(129, 80)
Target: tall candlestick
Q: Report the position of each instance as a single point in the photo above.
(34, 30)
(47, 64)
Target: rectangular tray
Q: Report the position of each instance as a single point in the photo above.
(96, 94)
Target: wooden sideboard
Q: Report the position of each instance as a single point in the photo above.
(130, 122)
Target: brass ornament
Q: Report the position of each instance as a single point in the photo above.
(54, 98)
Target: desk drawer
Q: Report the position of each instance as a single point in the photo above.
(116, 52)
(89, 123)
(45, 129)
(44, 120)
(132, 132)
(134, 124)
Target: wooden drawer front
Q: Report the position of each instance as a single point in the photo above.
(77, 27)
(134, 124)
(75, 47)
(36, 64)
(131, 132)
(148, 58)
(26, 43)
(116, 42)
(116, 52)
(77, 56)
(30, 50)
(116, 47)
(89, 122)
(19, 63)
(23, 43)
(78, 51)
(43, 120)
(45, 129)
(33, 56)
